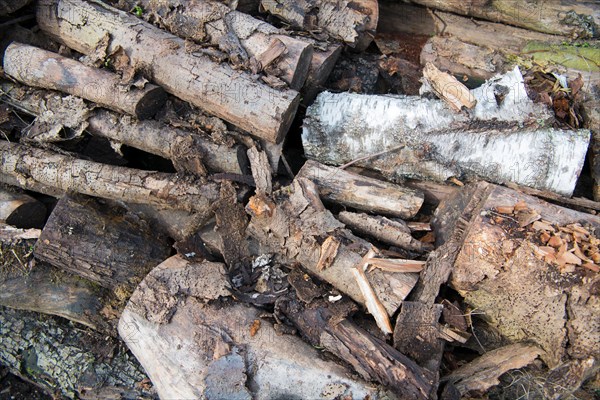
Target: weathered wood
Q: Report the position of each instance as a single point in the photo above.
(31, 166)
(21, 210)
(354, 23)
(191, 351)
(40, 68)
(180, 68)
(384, 229)
(425, 139)
(240, 35)
(448, 88)
(189, 151)
(10, 234)
(321, 66)
(580, 19)
(295, 224)
(68, 361)
(261, 170)
(129, 249)
(326, 324)
(362, 192)
(498, 272)
(482, 373)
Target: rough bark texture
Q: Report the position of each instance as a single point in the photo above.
(580, 19)
(40, 68)
(361, 192)
(427, 140)
(21, 210)
(383, 229)
(128, 251)
(180, 68)
(240, 35)
(351, 22)
(70, 361)
(296, 225)
(191, 351)
(31, 167)
(522, 296)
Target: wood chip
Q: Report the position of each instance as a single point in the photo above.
(329, 250)
(448, 88)
(542, 226)
(397, 265)
(504, 209)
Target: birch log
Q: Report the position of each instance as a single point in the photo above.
(361, 192)
(181, 69)
(32, 167)
(353, 22)
(296, 225)
(578, 19)
(425, 139)
(40, 68)
(234, 32)
(21, 210)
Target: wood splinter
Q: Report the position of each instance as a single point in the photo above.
(448, 88)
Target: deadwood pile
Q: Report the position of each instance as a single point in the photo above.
(273, 199)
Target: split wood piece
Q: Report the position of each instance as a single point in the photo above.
(432, 142)
(361, 192)
(381, 228)
(448, 88)
(190, 351)
(396, 265)
(434, 192)
(31, 166)
(496, 268)
(69, 361)
(120, 260)
(21, 210)
(296, 226)
(189, 151)
(40, 68)
(181, 69)
(240, 35)
(10, 234)
(323, 62)
(261, 170)
(48, 290)
(482, 373)
(579, 19)
(327, 325)
(354, 23)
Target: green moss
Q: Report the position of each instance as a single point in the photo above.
(581, 56)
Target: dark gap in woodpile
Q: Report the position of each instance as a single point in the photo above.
(258, 199)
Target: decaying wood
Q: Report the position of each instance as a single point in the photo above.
(9, 233)
(40, 68)
(579, 19)
(295, 224)
(482, 373)
(326, 324)
(190, 350)
(501, 273)
(433, 142)
(240, 35)
(189, 151)
(129, 248)
(21, 210)
(67, 361)
(579, 203)
(362, 192)
(261, 170)
(354, 23)
(448, 88)
(31, 166)
(384, 229)
(321, 66)
(181, 69)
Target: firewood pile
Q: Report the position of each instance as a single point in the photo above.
(260, 199)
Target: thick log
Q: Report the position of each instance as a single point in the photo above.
(323, 62)
(32, 167)
(296, 226)
(501, 274)
(128, 251)
(386, 230)
(421, 138)
(189, 151)
(68, 361)
(21, 210)
(190, 351)
(361, 192)
(354, 23)
(40, 68)
(240, 35)
(579, 19)
(171, 62)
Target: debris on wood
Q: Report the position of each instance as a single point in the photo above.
(448, 88)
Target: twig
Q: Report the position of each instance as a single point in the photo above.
(371, 156)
